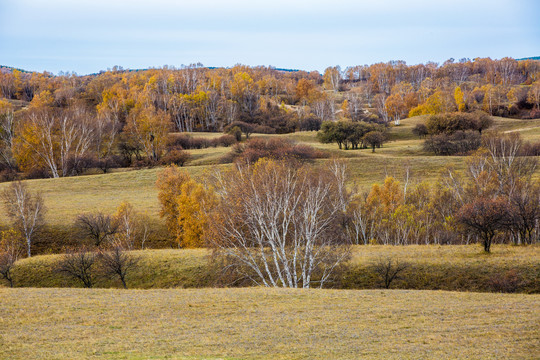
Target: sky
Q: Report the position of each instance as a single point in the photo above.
(86, 36)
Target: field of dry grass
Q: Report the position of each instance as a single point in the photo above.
(266, 324)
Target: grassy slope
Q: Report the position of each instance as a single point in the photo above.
(266, 324)
(431, 267)
(67, 197)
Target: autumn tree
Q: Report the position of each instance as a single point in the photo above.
(332, 78)
(169, 183)
(459, 98)
(149, 128)
(133, 226)
(485, 217)
(438, 102)
(533, 95)
(26, 211)
(7, 133)
(525, 212)
(54, 138)
(303, 90)
(278, 225)
(194, 204)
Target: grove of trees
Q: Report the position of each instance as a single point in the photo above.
(53, 126)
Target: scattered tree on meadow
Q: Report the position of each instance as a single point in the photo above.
(485, 217)
(26, 211)
(389, 269)
(374, 139)
(79, 264)
(347, 134)
(169, 183)
(10, 251)
(117, 261)
(194, 204)
(420, 130)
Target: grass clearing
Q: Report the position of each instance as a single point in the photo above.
(262, 323)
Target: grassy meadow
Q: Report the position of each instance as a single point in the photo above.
(65, 198)
(262, 323)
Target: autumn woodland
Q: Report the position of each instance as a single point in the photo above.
(383, 176)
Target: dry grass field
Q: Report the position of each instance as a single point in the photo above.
(266, 324)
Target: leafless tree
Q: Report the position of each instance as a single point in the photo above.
(389, 269)
(79, 264)
(98, 226)
(380, 103)
(7, 262)
(26, 210)
(107, 126)
(116, 261)
(280, 225)
(485, 217)
(9, 254)
(525, 213)
(7, 134)
(505, 162)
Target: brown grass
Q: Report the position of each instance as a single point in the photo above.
(266, 324)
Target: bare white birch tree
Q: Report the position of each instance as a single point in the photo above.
(26, 210)
(280, 225)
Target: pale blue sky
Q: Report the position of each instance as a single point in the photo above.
(86, 36)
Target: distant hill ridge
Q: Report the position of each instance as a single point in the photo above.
(530, 58)
(9, 69)
(5, 68)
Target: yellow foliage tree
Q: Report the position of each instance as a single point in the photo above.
(435, 104)
(43, 99)
(459, 98)
(169, 183)
(194, 202)
(150, 128)
(388, 197)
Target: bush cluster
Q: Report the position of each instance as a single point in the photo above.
(274, 148)
(458, 143)
(188, 142)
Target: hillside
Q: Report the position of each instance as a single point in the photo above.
(458, 267)
(65, 198)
